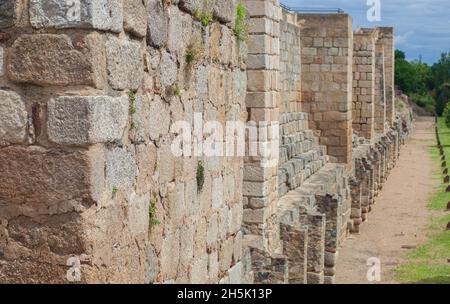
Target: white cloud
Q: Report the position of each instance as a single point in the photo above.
(403, 39)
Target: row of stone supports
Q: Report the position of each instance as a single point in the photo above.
(91, 189)
(339, 138)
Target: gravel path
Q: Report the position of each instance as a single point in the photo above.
(399, 219)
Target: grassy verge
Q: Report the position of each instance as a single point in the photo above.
(429, 263)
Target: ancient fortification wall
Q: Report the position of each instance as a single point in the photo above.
(86, 166)
(364, 83)
(327, 44)
(94, 98)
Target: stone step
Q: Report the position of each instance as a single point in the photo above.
(295, 171)
(298, 148)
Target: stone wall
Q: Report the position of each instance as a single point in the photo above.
(290, 64)
(94, 102)
(386, 37)
(364, 83)
(87, 102)
(327, 44)
(380, 92)
(262, 101)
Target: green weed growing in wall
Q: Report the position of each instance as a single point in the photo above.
(241, 25)
(132, 102)
(153, 213)
(203, 15)
(194, 52)
(200, 176)
(174, 90)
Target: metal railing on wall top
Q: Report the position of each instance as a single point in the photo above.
(312, 10)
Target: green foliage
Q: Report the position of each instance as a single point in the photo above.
(206, 19)
(241, 25)
(200, 176)
(174, 90)
(114, 190)
(443, 97)
(441, 70)
(203, 15)
(430, 86)
(153, 213)
(189, 57)
(425, 101)
(412, 76)
(428, 263)
(194, 52)
(132, 101)
(132, 126)
(446, 115)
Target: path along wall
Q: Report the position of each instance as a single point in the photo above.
(92, 100)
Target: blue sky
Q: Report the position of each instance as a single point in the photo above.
(422, 27)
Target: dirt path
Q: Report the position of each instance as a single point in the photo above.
(400, 216)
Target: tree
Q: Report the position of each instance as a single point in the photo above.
(413, 77)
(441, 70)
(443, 98)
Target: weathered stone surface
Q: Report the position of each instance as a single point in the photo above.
(236, 274)
(9, 12)
(121, 167)
(170, 254)
(180, 32)
(213, 266)
(151, 266)
(33, 174)
(158, 21)
(135, 17)
(169, 69)
(226, 254)
(202, 79)
(224, 10)
(158, 119)
(47, 59)
(199, 274)
(124, 64)
(100, 15)
(13, 118)
(211, 237)
(2, 62)
(190, 5)
(175, 204)
(187, 245)
(138, 215)
(217, 190)
(79, 120)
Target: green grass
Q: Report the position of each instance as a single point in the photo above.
(429, 263)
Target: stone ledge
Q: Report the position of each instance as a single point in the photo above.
(78, 120)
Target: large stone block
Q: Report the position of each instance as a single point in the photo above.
(121, 169)
(13, 118)
(36, 175)
(47, 59)
(135, 17)
(169, 69)
(158, 22)
(106, 15)
(223, 10)
(124, 64)
(9, 12)
(191, 5)
(80, 120)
